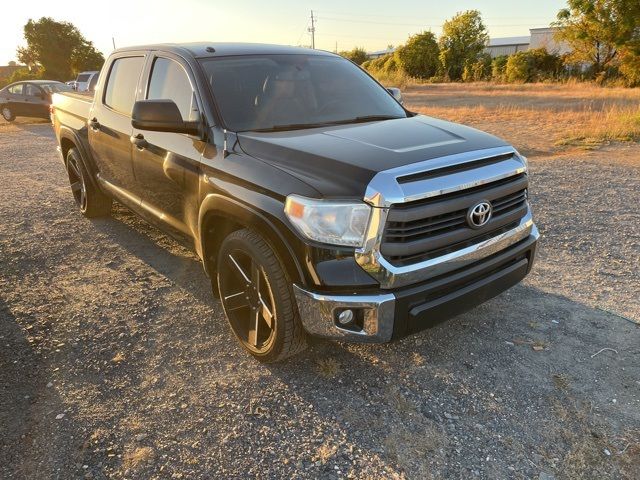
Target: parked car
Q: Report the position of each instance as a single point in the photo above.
(317, 203)
(85, 79)
(29, 98)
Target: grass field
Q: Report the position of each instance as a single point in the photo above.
(540, 119)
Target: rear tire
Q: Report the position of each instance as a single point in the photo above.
(91, 201)
(7, 114)
(258, 298)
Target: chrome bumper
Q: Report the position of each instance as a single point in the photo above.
(318, 311)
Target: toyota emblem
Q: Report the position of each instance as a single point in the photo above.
(479, 215)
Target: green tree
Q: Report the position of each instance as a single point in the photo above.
(596, 30)
(419, 56)
(59, 48)
(357, 55)
(463, 40)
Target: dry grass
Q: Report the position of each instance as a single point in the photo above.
(138, 457)
(537, 118)
(615, 124)
(328, 367)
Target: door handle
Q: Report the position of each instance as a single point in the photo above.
(94, 124)
(139, 141)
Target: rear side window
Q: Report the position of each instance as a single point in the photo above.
(120, 93)
(169, 81)
(16, 89)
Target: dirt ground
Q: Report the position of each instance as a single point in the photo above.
(116, 362)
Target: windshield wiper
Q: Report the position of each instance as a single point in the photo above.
(365, 118)
(291, 126)
(301, 126)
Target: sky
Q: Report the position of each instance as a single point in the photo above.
(372, 24)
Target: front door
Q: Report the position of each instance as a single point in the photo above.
(167, 168)
(36, 103)
(110, 122)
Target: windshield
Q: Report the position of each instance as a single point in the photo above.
(55, 87)
(263, 92)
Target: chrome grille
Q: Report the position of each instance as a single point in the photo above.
(431, 227)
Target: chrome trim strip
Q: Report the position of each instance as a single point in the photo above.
(384, 189)
(391, 276)
(317, 315)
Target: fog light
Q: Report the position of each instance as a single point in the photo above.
(345, 317)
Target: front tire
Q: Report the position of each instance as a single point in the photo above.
(8, 114)
(91, 201)
(258, 299)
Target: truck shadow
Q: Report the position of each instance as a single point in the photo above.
(30, 406)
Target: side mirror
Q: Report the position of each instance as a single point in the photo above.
(396, 93)
(161, 116)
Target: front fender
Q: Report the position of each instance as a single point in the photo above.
(264, 221)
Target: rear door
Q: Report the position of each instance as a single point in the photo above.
(15, 98)
(110, 121)
(167, 168)
(36, 103)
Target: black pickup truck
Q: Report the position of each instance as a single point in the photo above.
(318, 204)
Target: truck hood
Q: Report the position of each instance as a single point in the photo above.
(340, 161)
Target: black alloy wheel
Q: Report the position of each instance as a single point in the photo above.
(78, 186)
(257, 298)
(248, 301)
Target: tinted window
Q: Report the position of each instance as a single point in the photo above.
(169, 81)
(16, 89)
(267, 91)
(120, 93)
(55, 87)
(93, 82)
(31, 90)
(83, 78)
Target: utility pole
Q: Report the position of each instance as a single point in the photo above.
(113, 40)
(312, 30)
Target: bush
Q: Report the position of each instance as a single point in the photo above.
(357, 55)
(630, 68)
(478, 70)
(499, 68)
(419, 57)
(23, 74)
(533, 66)
(519, 68)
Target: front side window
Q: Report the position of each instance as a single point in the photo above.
(262, 92)
(31, 90)
(169, 81)
(56, 87)
(120, 92)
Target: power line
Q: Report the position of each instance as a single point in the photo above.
(414, 24)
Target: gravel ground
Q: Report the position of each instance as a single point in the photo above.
(116, 361)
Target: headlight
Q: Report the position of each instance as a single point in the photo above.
(334, 222)
(525, 160)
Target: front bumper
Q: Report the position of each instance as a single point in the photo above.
(386, 315)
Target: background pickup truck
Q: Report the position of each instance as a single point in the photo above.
(317, 203)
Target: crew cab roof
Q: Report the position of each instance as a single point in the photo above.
(218, 49)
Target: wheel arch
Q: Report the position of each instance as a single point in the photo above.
(70, 139)
(220, 216)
